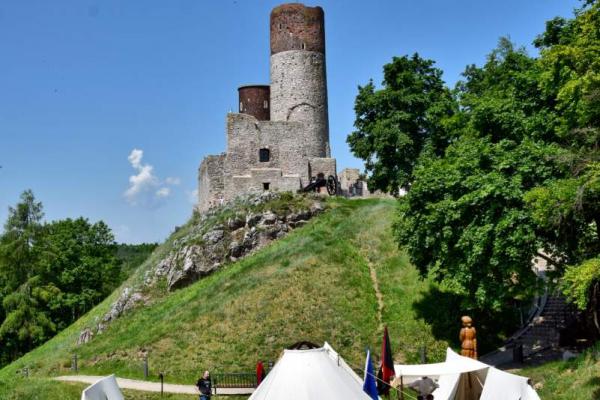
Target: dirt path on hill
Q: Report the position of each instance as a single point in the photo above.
(147, 386)
(378, 294)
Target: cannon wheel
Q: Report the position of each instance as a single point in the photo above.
(331, 185)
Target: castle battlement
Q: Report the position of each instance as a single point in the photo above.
(279, 139)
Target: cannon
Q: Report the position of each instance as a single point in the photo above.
(320, 181)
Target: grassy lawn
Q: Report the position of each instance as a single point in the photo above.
(315, 284)
(38, 389)
(577, 379)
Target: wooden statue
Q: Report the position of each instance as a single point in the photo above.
(468, 338)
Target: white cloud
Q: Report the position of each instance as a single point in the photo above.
(135, 157)
(172, 181)
(163, 192)
(145, 188)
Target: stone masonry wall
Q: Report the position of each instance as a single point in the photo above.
(299, 93)
(211, 181)
(284, 140)
(296, 138)
(297, 27)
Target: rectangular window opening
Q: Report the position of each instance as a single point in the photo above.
(264, 155)
(266, 185)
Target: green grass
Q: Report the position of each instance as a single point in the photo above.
(577, 379)
(46, 389)
(314, 284)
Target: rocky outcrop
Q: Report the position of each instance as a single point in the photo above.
(128, 299)
(239, 236)
(218, 237)
(85, 336)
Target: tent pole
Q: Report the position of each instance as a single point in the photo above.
(401, 393)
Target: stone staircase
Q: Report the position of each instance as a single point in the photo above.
(545, 328)
(540, 337)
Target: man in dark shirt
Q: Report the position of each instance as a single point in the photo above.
(205, 386)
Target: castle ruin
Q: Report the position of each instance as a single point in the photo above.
(279, 139)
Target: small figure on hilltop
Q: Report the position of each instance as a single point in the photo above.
(204, 384)
(468, 338)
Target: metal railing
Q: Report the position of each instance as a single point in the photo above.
(234, 380)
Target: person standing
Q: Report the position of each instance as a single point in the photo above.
(204, 384)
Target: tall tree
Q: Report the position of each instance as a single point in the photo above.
(22, 231)
(567, 210)
(50, 274)
(521, 175)
(77, 267)
(396, 123)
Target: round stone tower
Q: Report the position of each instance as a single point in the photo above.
(298, 79)
(255, 101)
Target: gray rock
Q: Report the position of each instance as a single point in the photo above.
(126, 301)
(235, 249)
(213, 236)
(253, 219)
(316, 208)
(85, 336)
(299, 216)
(297, 224)
(268, 218)
(235, 223)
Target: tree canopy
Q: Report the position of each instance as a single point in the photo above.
(515, 175)
(396, 123)
(51, 273)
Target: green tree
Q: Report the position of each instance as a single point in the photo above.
(463, 220)
(394, 124)
(50, 274)
(521, 175)
(26, 325)
(22, 231)
(77, 267)
(567, 210)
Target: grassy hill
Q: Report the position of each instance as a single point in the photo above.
(339, 278)
(318, 283)
(315, 284)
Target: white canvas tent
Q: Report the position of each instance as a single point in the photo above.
(462, 378)
(104, 389)
(311, 374)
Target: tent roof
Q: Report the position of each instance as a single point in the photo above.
(454, 364)
(311, 374)
(497, 385)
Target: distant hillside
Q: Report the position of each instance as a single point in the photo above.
(317, 283)
(130, 256)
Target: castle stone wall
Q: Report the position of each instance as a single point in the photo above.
(297, 27)
(211, 181)
(299, 93)
(282, 153)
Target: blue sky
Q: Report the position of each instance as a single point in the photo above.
(85, 83)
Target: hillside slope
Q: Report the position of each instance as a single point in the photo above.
(576, 379)
(316, 284)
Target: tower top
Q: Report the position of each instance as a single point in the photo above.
(297, 27)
